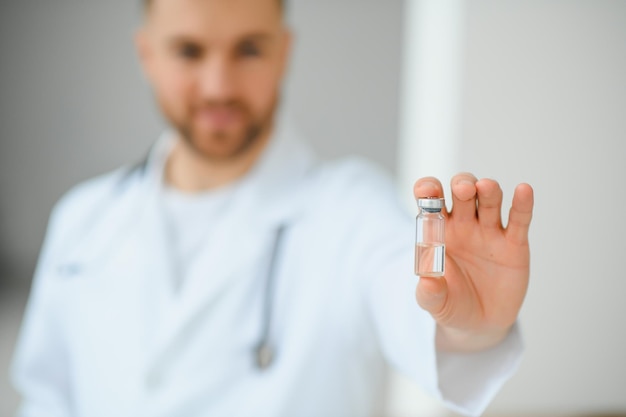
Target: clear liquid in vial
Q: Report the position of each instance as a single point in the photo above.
(429, 259)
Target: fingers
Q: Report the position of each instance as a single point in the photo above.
(481, 200)
(427, 187)
(520, 214)
(463, 197)
(489, 204)
(472, 198)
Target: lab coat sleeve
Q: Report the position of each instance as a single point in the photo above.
(471, 380)
(40, 369)
(466, 383)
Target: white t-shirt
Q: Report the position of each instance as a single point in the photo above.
(189, 220)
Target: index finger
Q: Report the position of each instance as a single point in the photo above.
(427, 187)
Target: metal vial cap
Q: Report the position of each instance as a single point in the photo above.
(431, 203)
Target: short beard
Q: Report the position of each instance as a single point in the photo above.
(253, 131)
(250, 137)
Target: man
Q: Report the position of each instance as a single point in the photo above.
(234, 274)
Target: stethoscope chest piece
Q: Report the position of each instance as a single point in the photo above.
(264, 356)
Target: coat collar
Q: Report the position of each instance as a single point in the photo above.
(286, 161)
(269, 196)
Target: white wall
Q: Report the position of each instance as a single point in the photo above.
(545, 103)
(542, 100)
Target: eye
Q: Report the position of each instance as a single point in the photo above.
(248, 49)
(189, 51)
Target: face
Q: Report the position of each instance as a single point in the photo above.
(216, 67)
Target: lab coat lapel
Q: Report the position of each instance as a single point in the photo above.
(206, 281)
(158, 274)
(264, 200)
(153, 260)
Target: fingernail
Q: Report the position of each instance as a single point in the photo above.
(429, 184)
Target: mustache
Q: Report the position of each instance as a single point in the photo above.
(222, 105)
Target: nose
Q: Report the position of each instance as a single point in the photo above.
(217, 79)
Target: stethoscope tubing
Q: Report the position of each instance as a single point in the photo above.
(264, 352)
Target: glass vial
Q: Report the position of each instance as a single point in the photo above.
(430, 249)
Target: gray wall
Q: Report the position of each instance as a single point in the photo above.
(72, 106)
(74, 103)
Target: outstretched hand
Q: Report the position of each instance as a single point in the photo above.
(487, 265)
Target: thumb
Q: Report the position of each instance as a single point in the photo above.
(432, 294)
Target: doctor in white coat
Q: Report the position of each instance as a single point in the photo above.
(232, 273)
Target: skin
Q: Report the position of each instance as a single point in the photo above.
(216, 68)
(487, 265)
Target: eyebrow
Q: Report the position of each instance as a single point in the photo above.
(261, 37)
(178, 40)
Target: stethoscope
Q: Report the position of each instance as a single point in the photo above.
(263, 353)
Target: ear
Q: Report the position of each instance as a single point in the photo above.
(144, 52)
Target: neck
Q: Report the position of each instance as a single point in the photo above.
(188, 171)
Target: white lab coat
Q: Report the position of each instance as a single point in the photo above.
(105, 335)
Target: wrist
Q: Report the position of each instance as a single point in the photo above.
(450, 339)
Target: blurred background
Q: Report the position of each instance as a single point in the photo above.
(520, 91)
